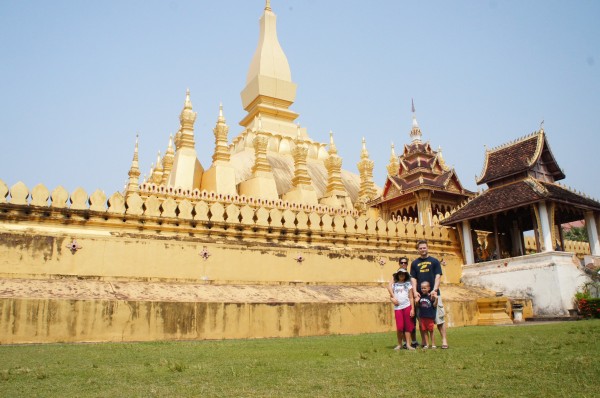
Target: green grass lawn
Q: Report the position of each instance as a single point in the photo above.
(545, 360)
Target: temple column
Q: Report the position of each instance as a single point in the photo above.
(592, 230)
(545, 230)
(496, 239)
(517, 241)
(467, 242)
(424, 207)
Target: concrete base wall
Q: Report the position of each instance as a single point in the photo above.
(71, 310)
(549, 280)
(54, 321)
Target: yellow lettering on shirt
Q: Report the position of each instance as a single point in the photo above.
(424, 266)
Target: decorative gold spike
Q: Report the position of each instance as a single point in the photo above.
(187, 119)
(134, 171)
(221, 154)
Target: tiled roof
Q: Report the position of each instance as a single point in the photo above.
(519, 157)
(437, 181)
(563, 195)
(510, 159)
(518, 194)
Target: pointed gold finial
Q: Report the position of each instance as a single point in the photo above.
(188, 101)
(135, 150)
(167, 161)
(221, 118)
(332, 147)
(268, 5)
(394, 165)
(134, 171)
(364, 153)
(170, 146)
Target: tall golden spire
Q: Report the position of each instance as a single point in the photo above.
(187, 170)
(334, 171)
(167, 161)
(221, 154)
(365, 167)
(302, 189)
(157, 174)
(187, 119)
(301, 177)
(269, 90)
(261, 164)
(134, 172)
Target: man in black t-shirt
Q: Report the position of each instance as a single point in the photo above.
(428, 268)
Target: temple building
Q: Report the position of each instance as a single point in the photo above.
(419, 185)
(275, 239)
(273, 158)
(523, 195)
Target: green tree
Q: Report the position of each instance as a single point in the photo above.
(578, 234)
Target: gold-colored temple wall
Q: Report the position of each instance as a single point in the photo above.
(34, 321)
(218, 242)
(212, 259)
(54, 320)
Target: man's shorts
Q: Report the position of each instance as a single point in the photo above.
(440, 313)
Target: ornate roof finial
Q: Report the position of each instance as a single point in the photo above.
(221, 118)
(394, 165)
(542, 126)
(135, 150)
(415, 132)
(364, 153)
(268, 5)
(188, 101)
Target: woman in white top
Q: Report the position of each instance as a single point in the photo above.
(401, 295)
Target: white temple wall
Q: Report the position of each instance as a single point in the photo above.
(550, 280)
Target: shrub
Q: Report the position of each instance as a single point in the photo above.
(589, 307)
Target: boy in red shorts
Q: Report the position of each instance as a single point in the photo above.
(427, 307)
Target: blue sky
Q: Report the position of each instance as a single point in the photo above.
(78, 80)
